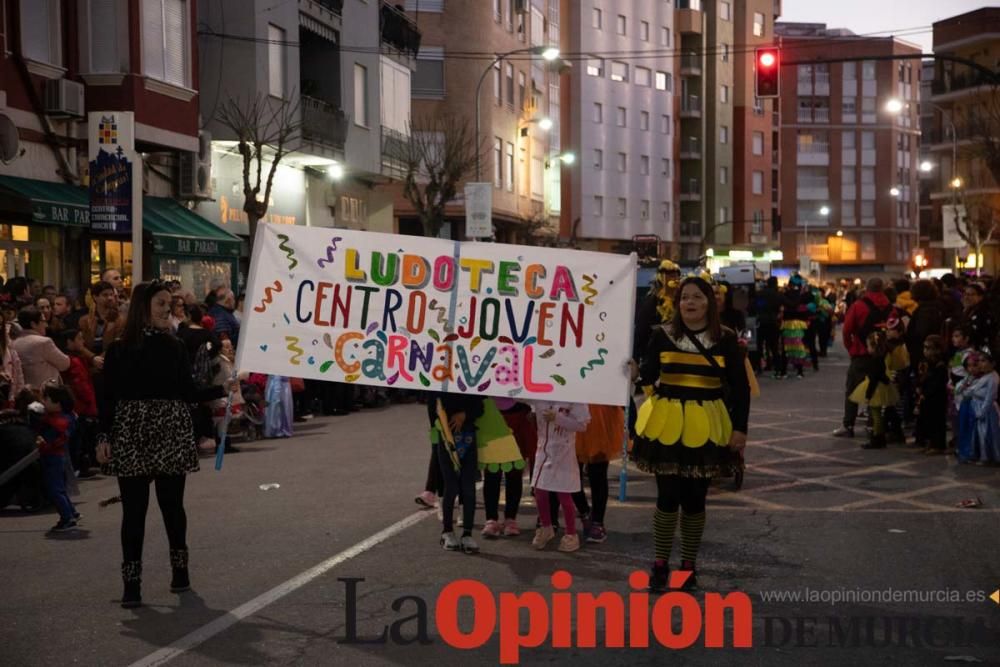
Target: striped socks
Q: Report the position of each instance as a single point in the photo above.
(692, 527)
(664, 526)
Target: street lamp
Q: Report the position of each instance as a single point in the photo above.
(545, 124)
(840, 233)
(894, 191)
(956, 183)
(548, 53)
(335, 171)
(926, 166)
(824, 211)
(894, 105)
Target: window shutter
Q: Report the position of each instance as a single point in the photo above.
(152, 38)
(175, 41)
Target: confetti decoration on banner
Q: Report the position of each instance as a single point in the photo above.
(600, 337)
(594, 363)
(603, 316)
(269, 293)
(461, 385)
(505, 339)
(547, 353)
(353, 377)
(292, 262)
(588, 288)
(434, 334)
(287, 321)
(311, 360)
(393, 379)
(484, 386)
(530, 341)
(325, 366)
(450, 337)
(442, 315)
(515, 391)
(382, 337)
(293, 347)
(559, 379)
(424, 381)
(371, 328)
(330, 250)
(475, 342)
(328, 340)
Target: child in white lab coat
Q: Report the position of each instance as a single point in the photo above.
(556, 469)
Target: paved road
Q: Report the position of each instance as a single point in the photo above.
(815, 513)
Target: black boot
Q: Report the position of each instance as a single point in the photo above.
(180, 582)
(692, 581)
(132, 579)
(875, 442)
(659, 578)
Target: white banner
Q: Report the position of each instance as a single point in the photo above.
(479, 210)
(949, 231)
(429, 314)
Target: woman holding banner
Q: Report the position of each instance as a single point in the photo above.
(147, 435)
(693, 425)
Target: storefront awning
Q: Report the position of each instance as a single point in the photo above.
(178, 231)
(51, 203)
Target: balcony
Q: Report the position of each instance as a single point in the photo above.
(335, 6)
(399, 31)
(323, 123)
(691, 107)
(324, 18)
(395, 152)
(690, 65)
(691, 190)
(691, 230)
(959, 83)
(689, 19)
(691, 148)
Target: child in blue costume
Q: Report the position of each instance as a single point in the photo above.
(978, 416)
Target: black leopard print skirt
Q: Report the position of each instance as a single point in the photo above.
(152, 438)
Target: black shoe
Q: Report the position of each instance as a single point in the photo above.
(132, 580)
(844, 432)
(64, 525)
(659, 578)
(692, 581)
(77, 516)
(180, 581)
(876, 442)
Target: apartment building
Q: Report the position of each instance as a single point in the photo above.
(930, 226)
(345, 68)
(61, 60)
(520, 115)
(622, 123)
(755, 131)
(965, 117)
(850, 150)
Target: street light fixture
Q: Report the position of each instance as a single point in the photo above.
(894, 105)
(894, 191)
(840, 233)
(956, 182)
(335, 171)
(568, 158)
(824, 211)
(545, 124)
(550, 53)
(926, 166)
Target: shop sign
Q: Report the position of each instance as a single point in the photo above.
(112, 161)
(186, 246)
(59, 214)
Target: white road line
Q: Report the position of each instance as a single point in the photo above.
(226, 621)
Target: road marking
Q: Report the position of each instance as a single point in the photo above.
(224, 622)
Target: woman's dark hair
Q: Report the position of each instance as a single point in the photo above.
(100, 286)
(714, 325)
(61, 394)
(28, 317)
(138, 311)
(924, 291)
(63, 338)
(196, 313)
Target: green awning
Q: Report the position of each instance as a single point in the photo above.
(178, 231)
(51, 203)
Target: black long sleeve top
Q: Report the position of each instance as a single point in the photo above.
(157, 368)
(472, 406)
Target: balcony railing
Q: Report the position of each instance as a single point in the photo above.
(335, 6)
(960, 81)
(691, 229)
(395, 152)
(691, 188)
(323, 122)
(691, 104)
(399, 31)
(690, 62)
(691, 146)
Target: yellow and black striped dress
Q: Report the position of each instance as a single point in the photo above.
(693, 408)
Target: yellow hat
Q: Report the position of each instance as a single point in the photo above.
(669, 267)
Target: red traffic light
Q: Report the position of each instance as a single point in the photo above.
(767, 72)
(767, 59)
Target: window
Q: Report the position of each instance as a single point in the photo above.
(644, 165)
(595, 67)
(725, 52)
(428, 80)
(276, 61)
(867, 246)
(522, 90)
(868, 175)
(497, 10)
(644, 209)
(596, 20)
(665, 124)
(497, 84)
(619, 71)
(723, 134)
(598, 112)
(665, 167)
(498, 163)
(664, 36)
(850, 71)
(106, 50)
(868, 70)
(644, 121)
(664, 81)
(508, 15)
(724, 214)
(847, 217)
(622, 207)
(644, 31)
(848, 141)
(510, 167)
(509, 71)
(849, 108)
(758, 24)
(598, 205)
(598, 159)
(622, 163)
(622, 24)
(758, 182)
(41, 30)
(723, 175)
(757, 143)
(643, 77)
(724, 94)
(726, 11)
(360, 95)
(621, 117)
(665, 211)
(867, 141)
(165, 40)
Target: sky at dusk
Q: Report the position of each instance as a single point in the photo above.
(881, 16)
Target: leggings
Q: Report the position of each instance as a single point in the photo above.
(673, 492)
(878, 423)
(545, 511)
(491, 493)
(597, 473)
(458, 483)
(688, 493)
(135, 501)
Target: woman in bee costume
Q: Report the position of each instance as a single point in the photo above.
(693, 426)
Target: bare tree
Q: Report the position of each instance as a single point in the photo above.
(978, 224)
(265, 130)
(537, 230)
(436, 158)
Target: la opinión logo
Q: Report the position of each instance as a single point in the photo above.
(634, 620)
